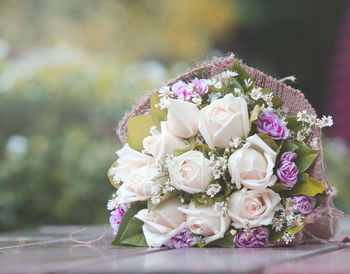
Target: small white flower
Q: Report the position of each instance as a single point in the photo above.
(164, 91)
(213, 189)
(302, 116)
(197, 99)
(298, 220)
(248, 82)
(216, 174)
(228, 74)
(312, 119)
(112, 204)
(163, 103)
(267, 108)
(155, 199)
(314, 143)
(300, 137)
(307, 130)
(290, 204)
(112, 171)
(277, 224)
(256, 93)
(287, 237)
(327, 121)
(168, 187)
(221, 162)
(235, 142)
(233, 232)
(214, 96)
(288, 214)
(218, 85)
(268, 99)
(279, 207)
(284, 122)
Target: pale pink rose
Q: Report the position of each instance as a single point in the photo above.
(182, 118)
(159, 144)
(253, 208)
(130, 159)
(224, 119)
(252, 165)
(206, 220)
(137, 186)
(190, 172)
(163, 222)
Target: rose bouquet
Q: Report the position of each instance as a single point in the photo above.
(215, 158)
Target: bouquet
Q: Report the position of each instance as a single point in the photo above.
(222, 156)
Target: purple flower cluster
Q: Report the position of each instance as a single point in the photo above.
(199, 86)
(116, 217)
(304, 204)
(258, 237)
(182, 239)
(270, 124)
(288, 171)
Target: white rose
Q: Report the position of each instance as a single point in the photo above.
(137, 186)
(159, 144)
(182, 118)
(130, 159)
(224, 119)
(252, 165)
(190, 172)
(207, 221)
(253, 207)
(163, 222)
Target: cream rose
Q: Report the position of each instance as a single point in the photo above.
(190, 172)
(223, 119)
(163, 222)
(253, 207)
(206, 220)
(159, 144)
(129, 160)
(252, 165)
(182, 118)
(137, 186)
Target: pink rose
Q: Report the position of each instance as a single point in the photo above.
(163, 222)
(224, 119)
(253, 208)
(270, 124)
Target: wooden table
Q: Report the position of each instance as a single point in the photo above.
(49, 250)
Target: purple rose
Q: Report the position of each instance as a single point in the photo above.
(181, 88)
(304, 204)
(201, 85)
(116, 217)
(288, 173)
(182, 239)
(288, 156)
(258, 237)
(270, 124)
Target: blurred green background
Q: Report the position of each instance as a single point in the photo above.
(70, 69)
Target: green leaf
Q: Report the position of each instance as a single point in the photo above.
(201, 74)
(269, 141)
(123, 226)
(310, 187)
(306, 157)
(133, 234)
(226, 241)
(320, 198)
(158, 115)
(242, 74)
(192, 141)
(295, 230)
(254, 115)
(289, 146)
(138, 129)
(279, 187)
(115, 163)
(293, 123)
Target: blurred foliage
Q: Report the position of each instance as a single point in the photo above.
(70, 69)
(337, 161)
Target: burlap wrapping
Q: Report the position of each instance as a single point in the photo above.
(322, 223)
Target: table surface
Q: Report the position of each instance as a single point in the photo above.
(49, 250)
